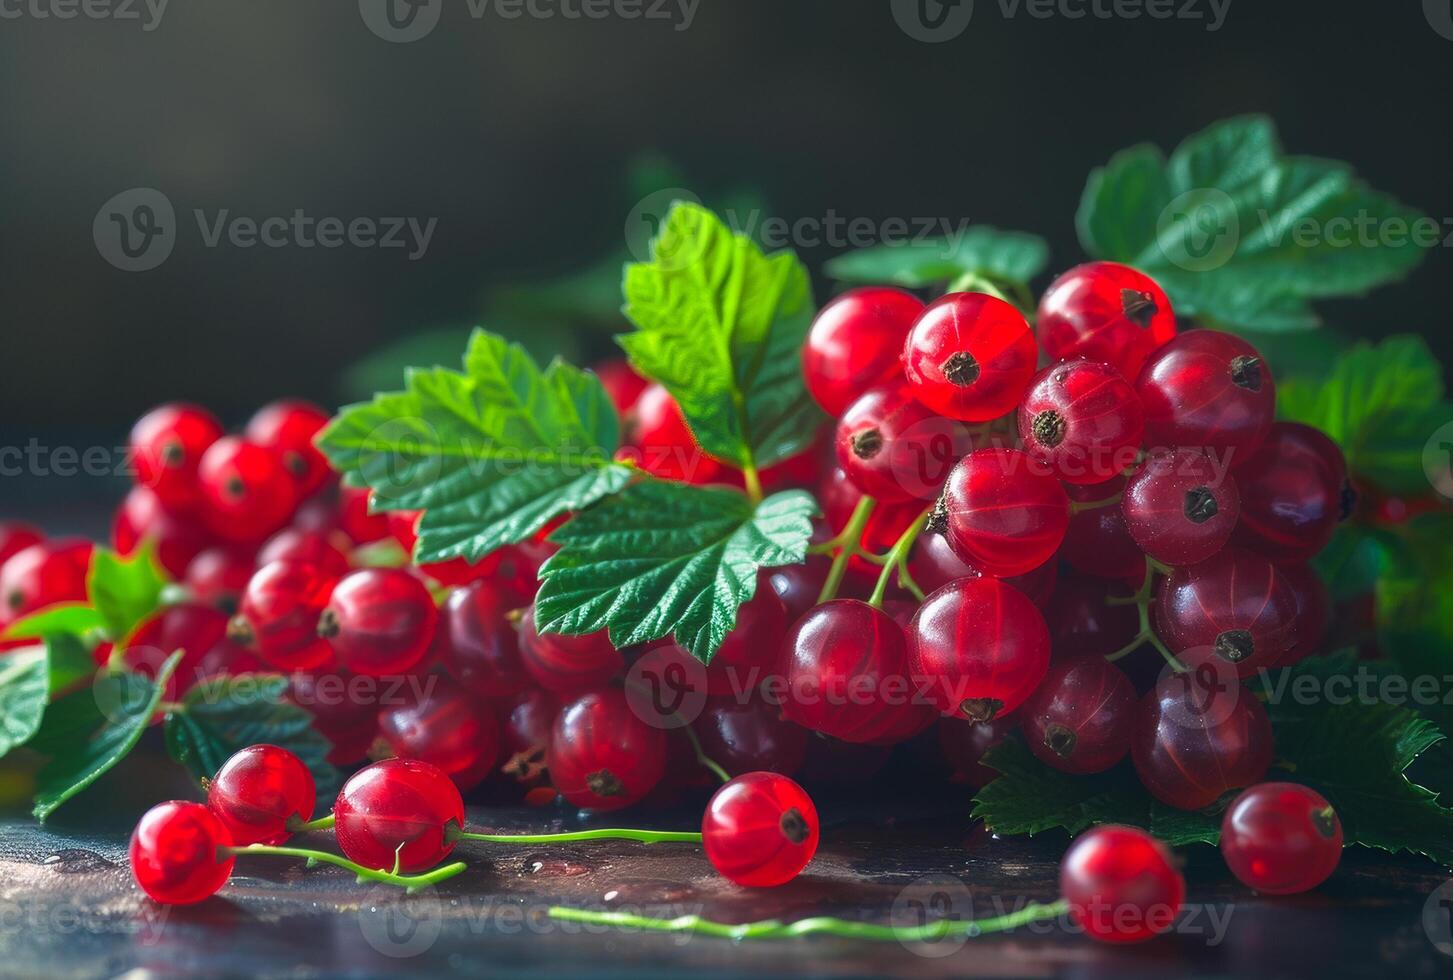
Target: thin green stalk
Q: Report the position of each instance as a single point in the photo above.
(1080, 506)
(707, 762)
(896, 560)
(753, 482)
(644, 836)
(322, 823)
(850, 537)
(411, 883)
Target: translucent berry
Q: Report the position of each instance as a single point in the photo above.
(179, 853)
(894, 448)
(344, 710)
(751, 735)
(16, 536)
(1235, 604)
(379, 621)
(1105, 311)
(1210, 391)
(1081, 717)
(602, 756)
(307, 547)
(218, 575)
(287, 428)
(856, 343)
(749, 652)
(1121, 884)
(933, 565)
(279, 613)
(970, 356)
(404, 526)
(398, 810)
(446, 726)
(176, 539)
(478, 640)
(798, 586)
(198, 631)
(567, 664)
(621, 382)
(166, 447)
(664, 441)
(42, 575)
(760, 830)
(1082, 420)
(1293, 489)
(355, 520)
(1180, 508)
(1001, 513)
(1281, 838)
(261, 794)
(247, 493)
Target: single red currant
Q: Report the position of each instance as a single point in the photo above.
(1179, 508)
(379, 621)
(894, 448)
(247, 492)
(1081, 718)
(621, 382)
(287, 428)
(1292, 489)
(965, 743)
(798, 586)
(308, 548)
(933, 565)
(166, 448)
(1235, 604)
(344, 710)
(42, 575)
(279, 614)
(478, 641)
(177, 540)
(398, 810)
(1105, 311)
(567, 664)
(602, 756)
(1281, 838)
(747, 736)
(1210, 391)
(15, 537)
(218, 576)
(970, 356)
(1082, 420)
(1314, 611)
(856, 343)
(180, 853)
(200, 632)
(525, 734)
(354, 518)
(261, 794)
(444, 725)
(1121, 884)
(760, 830)
(1083, 624)
(1002, 514)
(664, 441)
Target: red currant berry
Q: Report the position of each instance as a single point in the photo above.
(404, 526)
(344, 710)
(200, 632)
(287, 428)
(980, 646)
(398, 810)
(933, 565)
(525, 734)
(1121, 884)
(1314, 611)
(798, 586)
(970, 356)
(1292, 490)
(379, 621)
(1179, 508)
(141, 517)
(664, 441)
(1105, 311)
(217, 577)
(1082, 420)
(1001, 513)
(1281, 838)
(1082, 623)
(261, 794)
(749, 652)
(16, 537)
(279, 613)
(166, 447)
(179, 853)
(1210, 391)
(319, 515)
(894, 448)
(965, 743)
(355, 520)
(567, 664)
(479, 643)
(621, 382)
(43, 575)
(856, 343)
(1081, 718)
(602, 756)
(751, 735)
(760, 830)
(444, 725)
(1097, 542)
(1236, 604)
(307, 548)
(247, 493)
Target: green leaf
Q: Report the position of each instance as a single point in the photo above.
(124, 591)
(24, 690)
(1029, 797)
(224, 715)
(667, 558)
(1242, 236)
(721, 325)
(999, 256)
(75, 618)
(87, 732)
(68, 662)
(491, 455)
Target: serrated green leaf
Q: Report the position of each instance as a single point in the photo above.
(1028, 797)
(491, 455)
(1000, 256)
(74, 618)
(24, 690)
(667, 558)
(124, 591)
(720, 324)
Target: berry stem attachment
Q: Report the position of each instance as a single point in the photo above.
(707, 762)
(322, 823)
(410, 883)
(753, 481)
(1146, 634)
(1080, 506)
(644, 836)
(845, 545)
(896, 561)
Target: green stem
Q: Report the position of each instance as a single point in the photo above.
(1080, 506)
(753, 481)
(819, 925)
(644, 836)
(322, 823)
(411, 883)
(897, 558)
(849, 539)
(707, 762)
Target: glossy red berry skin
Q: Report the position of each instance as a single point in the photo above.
(798, 586)
(602, 756)
(1105, 311)
(247, 492)
(1235, 605)
(199, 631)
(621, 382)
(1281, 838)
(354, 519)
(933, 565)
(856, 343)
(1083, 624)
(749, 653)
(1210, 391)
(1081, 717)
(379, 621)
(287, 428)
(896, 449)
(478, 640)
(845, 665)
(1180, 508)
(527, 722)
(965, 743)
(760, 830)
(166, 448)
(404, 526)
(1199, 735)
(15, 537)
(261, 794)
(344, 710)
(1001, 513)
(970, 356)
(664, 441)
(752, 735)
(981, 647)
(1122, 884)
(1292, 490)
(176, 540)
(401, 806)
(307, 547)
(177, 854)
(279, 613)
(1314, 612)
(1082, 420)
(42, 575)
(446, 726)
(218, 576)
(567, 664)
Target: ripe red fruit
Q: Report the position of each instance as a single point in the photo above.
(478, 640)
(894, 448)
(344, 710)
(444, 725)
(354, 518)
(287, 428)
(306, 547)
(622, 384)
(856, 343)
(602, 756)
(42, 575)
(749, 652)
(567, 664)
(398, 810)
(979, 646)
(1097, 542)
(166, 448)
(1179, 508)
(1235, 605)
(933, 565)
(279, 613)
(261, 794)
(404, 526)
(218, 575)
(751, 735)
(1210, 391)
(15, 537)
(664, 441)
(760, 830)
(1281, 838)
(247, 492)
(1001, 513)
(798, 586)
(1122, 884)
(528, 721)
(1081, 717)
(1314, 611)
(177, 540)
(178, 853)
(379, 621)
(1292, 492)
(970, 356)
(200, 632)
(1105, 311)
(965, 743)
(1082, 420)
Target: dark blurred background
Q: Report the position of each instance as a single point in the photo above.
(531, 139)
